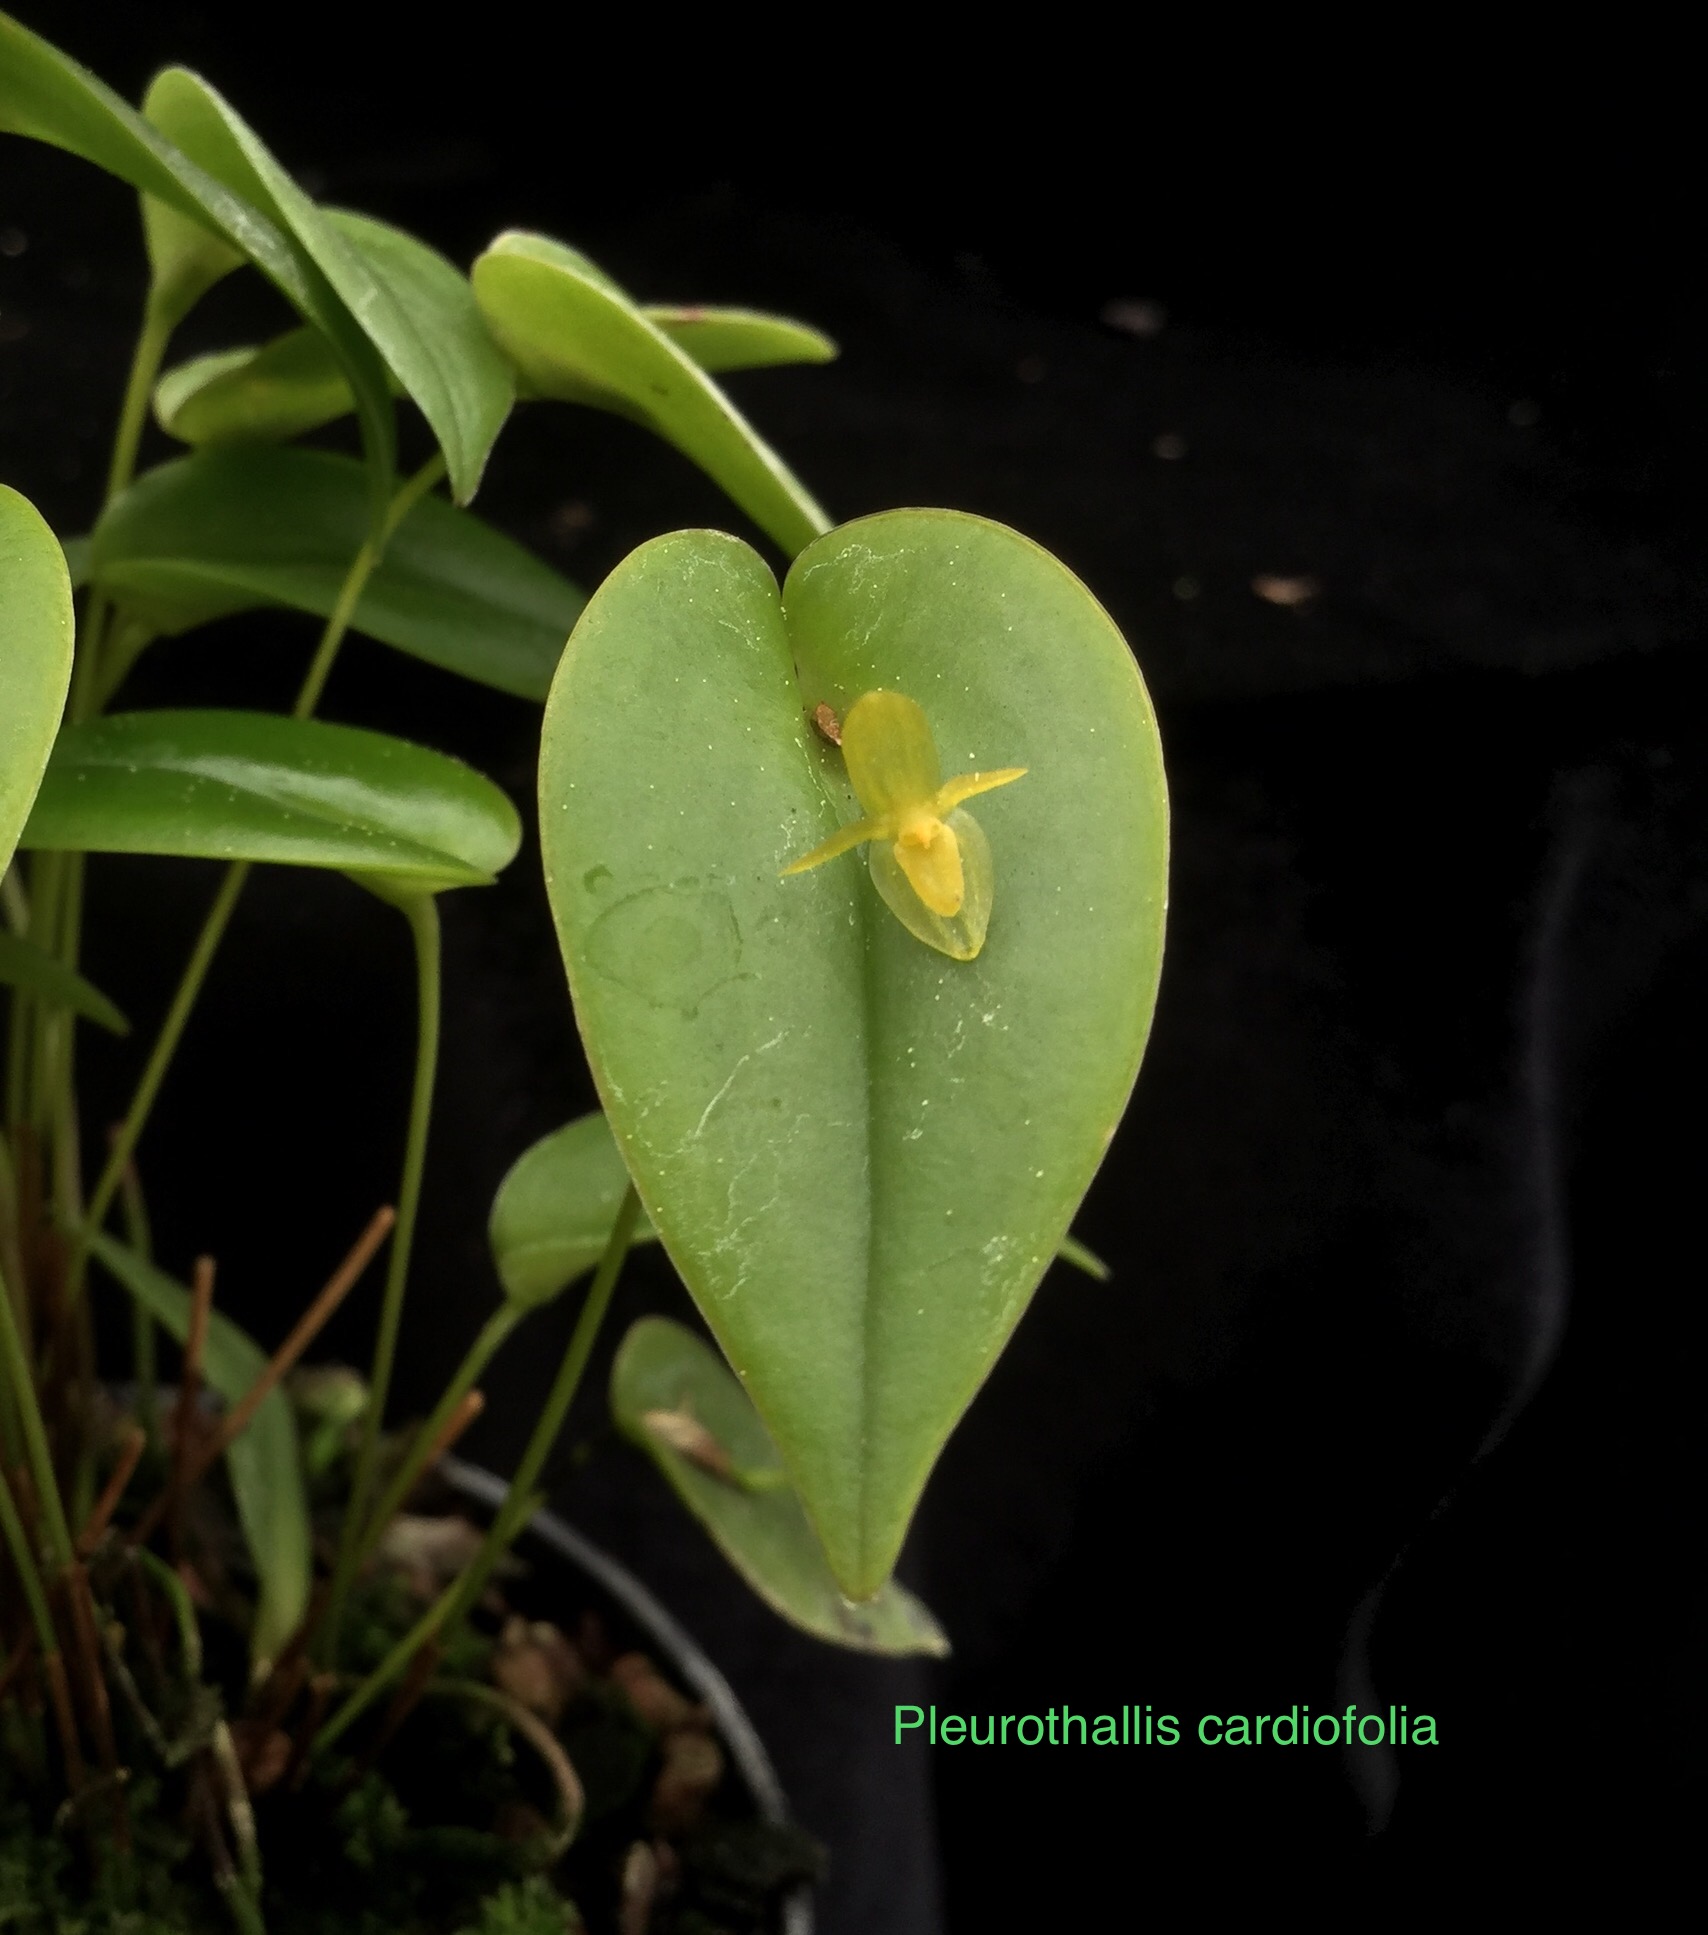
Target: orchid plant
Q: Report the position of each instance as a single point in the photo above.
(859, 1052)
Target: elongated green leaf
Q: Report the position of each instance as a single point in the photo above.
(553, 1213)
(674, 1397)
(267, 393)
(860, 1153)
(48, 96)
(227, 530)
(254, 786)
(739, 339)
(414, 309)
(25, 966)
(574, 335)
(271, 392)
(265, 1463)
(36, 629)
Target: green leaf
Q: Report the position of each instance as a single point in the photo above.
(674, 1397)
(267, 393)
(739, 339)
(36, 631)
(574, 335)
(553, 1213)
(49, 97)
(227, 530)
(25, 966)
(254, 786)
(265, 1463)
(860, 1153)
(409, 303)
(1072, 1250)
(272, 392)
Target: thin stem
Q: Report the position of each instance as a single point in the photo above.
(362, 567)
(422, 913)
(144, 1340)
(15, 1368)
(355, 583)
(158, 322)
(24, 1561)
(443, 1616)
(425, 1445)
(165, 1046)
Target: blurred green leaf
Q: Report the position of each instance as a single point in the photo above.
(265, 1462)
(25, 966)
(36, 630)
(860, 1153)
(553, 1213)
(267, 393)
(574, 335)
(675, 1398)
(406, 302)
(227, 530)
(254, 786)
(739, 339)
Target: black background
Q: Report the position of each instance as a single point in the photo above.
(1388, 1395)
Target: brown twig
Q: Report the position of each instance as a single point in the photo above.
(130, 1451)
(97, 1707)
(272, 1700)
(237, 1420)
(59, 1697)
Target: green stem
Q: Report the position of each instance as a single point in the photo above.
(144, 1353)
(403, 501)
(15, 1368)
(362, 567)
(17, 1542)
(165, 1045)
(493, 1333)
(464, 1592)
(158, 322)
(422, 913)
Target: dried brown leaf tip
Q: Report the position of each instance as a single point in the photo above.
(826, 723)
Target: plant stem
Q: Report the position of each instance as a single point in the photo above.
(422, 913)
(355, 583)
(362, 567)
(165, 1045)
(493, 1333)
(461, 1595)
(24, 1561)
(15, 1368)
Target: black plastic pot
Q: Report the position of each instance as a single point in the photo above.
(674, 1646)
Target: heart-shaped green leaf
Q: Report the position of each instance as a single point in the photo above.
(405, 300)
(36, 630)
(266, 393)
(860, 1153)
(575, 335)
(739, 339)
(254, 786)
(265, 1463)
(226, 530)
(672, 1395)
(554, 1210)
(24, 966)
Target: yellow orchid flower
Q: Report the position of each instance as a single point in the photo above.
(929, 860)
